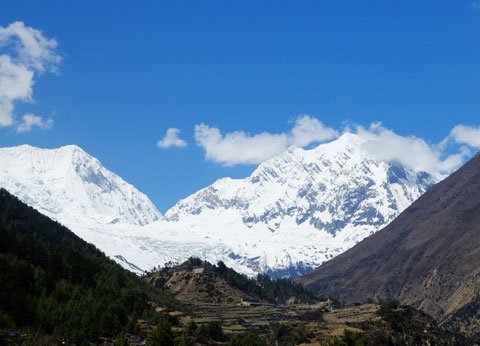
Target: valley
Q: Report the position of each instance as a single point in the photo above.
(239, 173)
(194, 303)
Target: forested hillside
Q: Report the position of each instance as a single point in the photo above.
(53, 283)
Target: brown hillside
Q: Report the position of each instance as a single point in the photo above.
(197, 283)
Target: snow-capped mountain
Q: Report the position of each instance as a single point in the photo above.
(298, 209)
(329, 187)
(72, 187)
(294, 212)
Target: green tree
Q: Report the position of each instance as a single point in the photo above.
(121, 340)
(183, 340)
(161, 335)
(192, 326)
(248, 340)
(212, 330)
(58, 285)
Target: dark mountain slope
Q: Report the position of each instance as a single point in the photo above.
(53, 283)
(428, 257)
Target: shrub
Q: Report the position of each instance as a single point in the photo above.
(212, 330)
(248, 340)
(161, 335)
(183, 340)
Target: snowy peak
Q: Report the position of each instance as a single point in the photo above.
(72, 187)
(294, 212)
(301, 207)
(328, 186)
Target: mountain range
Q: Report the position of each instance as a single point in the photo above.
(294, 212)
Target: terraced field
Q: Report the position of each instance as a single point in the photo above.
(315, 319)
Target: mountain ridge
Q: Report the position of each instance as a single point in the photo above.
(292, 213)
(75, 180)
(330, 197)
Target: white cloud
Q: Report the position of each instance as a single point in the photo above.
(466, 135)
(172, 139)
(27, 53)
(30, 121)
(32, 48)
(412, 152)
(16, 82)
(379, 142)
(239, 147)
(309, 130)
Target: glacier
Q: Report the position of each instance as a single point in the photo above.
(294, 212)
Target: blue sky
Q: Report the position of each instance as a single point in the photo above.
(131, 70)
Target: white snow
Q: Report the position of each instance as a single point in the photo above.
(294, 212)
(72, 187)
(298, 209)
